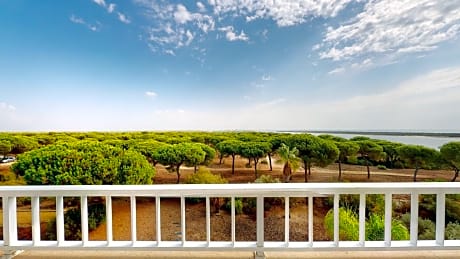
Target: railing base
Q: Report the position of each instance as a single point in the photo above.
(259, 255)
(8, 254)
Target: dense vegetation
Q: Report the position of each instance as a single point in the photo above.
(44, 153)
(131, 158)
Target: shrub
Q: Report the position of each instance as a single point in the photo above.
(267, 179)
(375, 229)
(348, 224)
(238, 205)
(204, 176)
(452, 231)
(426, 227)
(375, 203)
(382, 167)
(72, 222)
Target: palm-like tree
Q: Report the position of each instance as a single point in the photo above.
(288, 156)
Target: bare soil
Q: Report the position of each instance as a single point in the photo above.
(245, 223)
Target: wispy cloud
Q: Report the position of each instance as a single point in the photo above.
(110, 8)
(388, 30)
(123, 18)
(338, 70)
(151, 94)
(232, 36)
(79, 20)
(284, 13)
(267, 78)
(5, 107)
(175, 26)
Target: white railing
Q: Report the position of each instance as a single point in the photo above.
(10, 194)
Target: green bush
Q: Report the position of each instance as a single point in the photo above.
(375, 226)
(426, 227)
(348, 224)
(382, 167)
(204, 176)
(267, 179)
(452, 231)
(72, 222)
(375, 229)
(238, 205)
(375, 203)
(83, 163)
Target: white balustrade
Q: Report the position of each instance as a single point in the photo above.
(10, 194)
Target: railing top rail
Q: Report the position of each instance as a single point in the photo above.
(275, 189)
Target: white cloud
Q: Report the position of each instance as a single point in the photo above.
(111, 8)
(232, 36)
(284, 13)
(79, 20)
(123, 18)
(182, 15)
(169, 52)
(267, 78)
(151, 94)
(388, 29)
(5, 107)
(100, 2)
(201, 7)
(174, 26)
(338, 70)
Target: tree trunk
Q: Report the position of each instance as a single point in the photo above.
(178, 173)
(287, 172)
(455, 175)
(270, 161)
(249, 161)
(415, 173)
(233, 164)
(340, 171)
(309, 168)
(255, 167)
(305, 169)
(368, 169)
(194, 169)
(220, 159)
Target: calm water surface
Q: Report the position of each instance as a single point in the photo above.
(433, 142)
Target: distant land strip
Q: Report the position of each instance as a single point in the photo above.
(385, 133)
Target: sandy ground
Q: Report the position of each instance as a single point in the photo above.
(245, 224)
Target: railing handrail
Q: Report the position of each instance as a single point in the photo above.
(10, 194)
(177, 190)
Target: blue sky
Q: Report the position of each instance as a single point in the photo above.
(226, 65)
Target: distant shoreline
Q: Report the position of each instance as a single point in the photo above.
(383, 133)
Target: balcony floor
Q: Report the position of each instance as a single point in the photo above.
(69, 254)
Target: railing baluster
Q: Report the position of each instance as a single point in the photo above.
(310, 220)
(260, 221)
(440, 218)
(158, 218)
(414, 218)
(84, 219)
(35, 220)
(133, 219)
(108, 212)
(233, 220)
(182, 216)
(208, 220)
(362, 219)
(388, 213)
(336, 220)
(10, 228)
(60, 231)
(286, 220)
